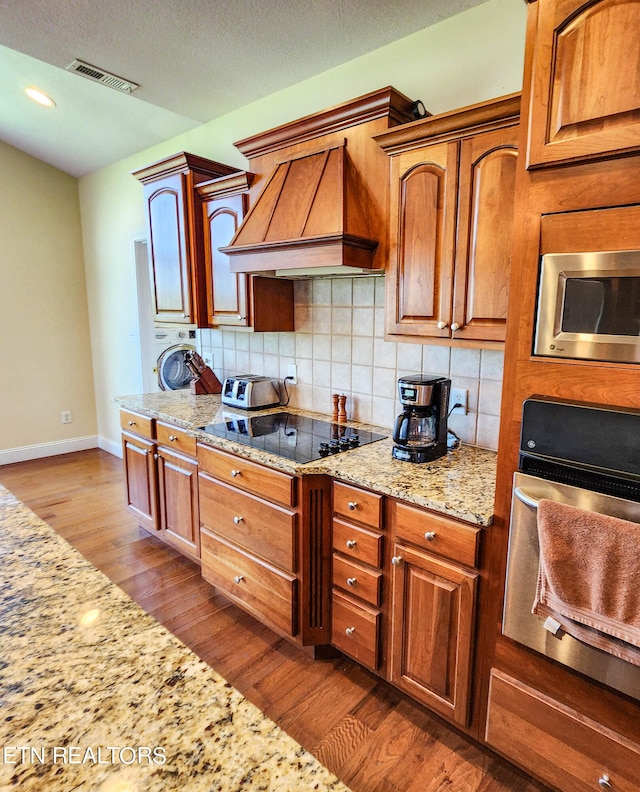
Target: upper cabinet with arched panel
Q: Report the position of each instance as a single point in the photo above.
(452, 194)
(585, 97)
(234, 299)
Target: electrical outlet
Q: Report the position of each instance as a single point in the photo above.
(208, 359)
(65, 416)
(459, 396)
(292, 373)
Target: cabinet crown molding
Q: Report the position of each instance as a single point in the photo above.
(471, 120)
(378, 104)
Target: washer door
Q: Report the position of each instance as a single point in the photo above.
(173, 373)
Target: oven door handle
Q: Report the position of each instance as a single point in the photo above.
(528, 500)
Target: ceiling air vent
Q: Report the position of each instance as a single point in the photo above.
(101, 76)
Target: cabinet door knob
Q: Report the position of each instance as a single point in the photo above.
(237, 520)
(396, 560)
(350, 630)
(172, 438)
(351, 505)
(441, 325)
(430, 536)
(241, 318)
(455, 326)
(235, 473)
(238, 578)
(351, 581)
(604, 782)
(185, 316)
(131, 423)
(351, 543)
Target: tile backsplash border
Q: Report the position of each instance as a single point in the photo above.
(339, 347)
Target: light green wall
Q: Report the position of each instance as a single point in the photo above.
(44, 324)
(474, 56)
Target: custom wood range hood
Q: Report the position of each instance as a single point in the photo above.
(322, 209)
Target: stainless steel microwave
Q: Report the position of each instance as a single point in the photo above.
(589, 306)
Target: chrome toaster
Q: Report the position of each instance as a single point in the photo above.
(249, 392)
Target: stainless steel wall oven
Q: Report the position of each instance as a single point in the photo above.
(588, 457)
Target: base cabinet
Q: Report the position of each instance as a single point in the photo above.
(358, 580)
(140, 467)
(178, 501)
(264, 543)
(161, 478)
(432, 626)
(557, 744)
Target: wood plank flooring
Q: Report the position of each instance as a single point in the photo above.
(374, 738)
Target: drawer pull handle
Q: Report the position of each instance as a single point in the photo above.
(237, 519)
(351, 581)
(396, 560)
(352, 505)
(430, 536)
(604, 782)
(238, 579)
(172, 438)
(235, 473)
(350, 631)
(131, 423)
(351, 543)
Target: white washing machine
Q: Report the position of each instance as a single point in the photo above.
(172, 342)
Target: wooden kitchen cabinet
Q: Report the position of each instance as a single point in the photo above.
(557, 743)
(584, 99)
(176, 256)
(433, 612)
(140, 467)
(235, 299)
(357, 617)
(452, 194)
(265, 543)
(179, 521)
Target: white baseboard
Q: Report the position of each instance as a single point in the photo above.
(112, 446)
(23, 454)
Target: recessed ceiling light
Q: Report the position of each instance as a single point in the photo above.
(40, 97)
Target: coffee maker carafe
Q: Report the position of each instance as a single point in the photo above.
(420, 431)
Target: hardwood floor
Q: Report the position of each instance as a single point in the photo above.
(374, 738)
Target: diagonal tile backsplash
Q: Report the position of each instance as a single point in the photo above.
(339, 347)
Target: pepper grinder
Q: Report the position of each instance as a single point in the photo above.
(334, 415)
(342, 408)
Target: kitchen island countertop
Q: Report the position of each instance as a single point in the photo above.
(98, 696)
(461, 484)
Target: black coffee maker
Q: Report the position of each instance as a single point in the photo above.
(420, 431)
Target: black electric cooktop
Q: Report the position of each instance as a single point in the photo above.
(295, 437)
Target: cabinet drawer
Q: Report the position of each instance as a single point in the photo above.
(176, 439)
(260, 527)
(357, 504)
(357, 580)
(358, 543)
(438, 534)
(267, 593)
(258, 479)
(134, 422)
(556, 743)
(355, 630)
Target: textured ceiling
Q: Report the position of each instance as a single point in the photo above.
(193, 59)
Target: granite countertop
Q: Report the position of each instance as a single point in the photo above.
(461, 484)
(96, 695)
